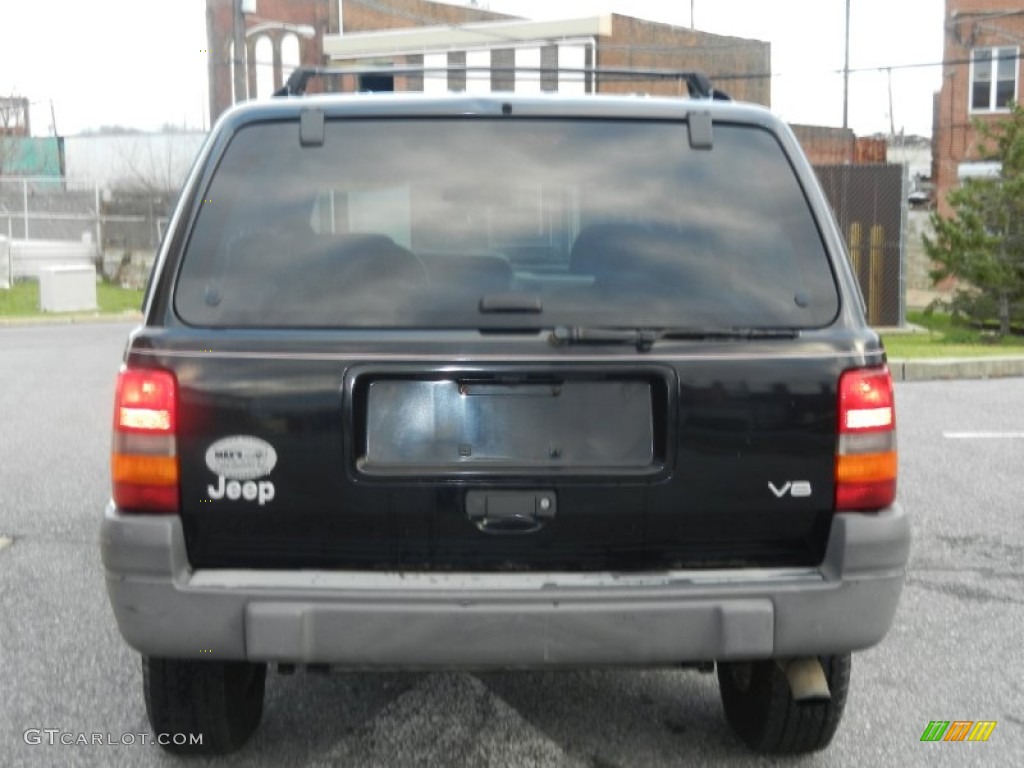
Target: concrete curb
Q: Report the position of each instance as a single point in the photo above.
(940, 369)
(71, 319)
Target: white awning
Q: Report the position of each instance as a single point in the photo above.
(979, 170)
(487, 34)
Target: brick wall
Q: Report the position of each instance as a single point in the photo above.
(968, 24)
(826, 146)
(649, 45)
(837, 146)
(370, 15)
(870, 151)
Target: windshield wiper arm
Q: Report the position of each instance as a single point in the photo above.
(641, 338)
(644, 338)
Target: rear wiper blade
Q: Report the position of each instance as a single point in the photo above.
(729, 333)
(644, 338)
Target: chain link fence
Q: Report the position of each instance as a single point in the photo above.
(869, 202)
(64, 209)
(47, 208)
(55, 221)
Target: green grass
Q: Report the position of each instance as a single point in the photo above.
(23, 300)
(944, 338)
(114, 298)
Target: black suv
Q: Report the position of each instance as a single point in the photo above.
(503, 382)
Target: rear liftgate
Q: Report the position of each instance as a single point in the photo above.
(519, 449)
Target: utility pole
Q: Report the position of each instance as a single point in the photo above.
(892, 118)
(240, 54)
(846, 72)
(691, 15)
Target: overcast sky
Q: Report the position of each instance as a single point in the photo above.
(141, 63)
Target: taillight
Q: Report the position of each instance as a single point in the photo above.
(144, 461)
(866, 453)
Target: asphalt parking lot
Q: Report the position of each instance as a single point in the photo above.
(955, 653)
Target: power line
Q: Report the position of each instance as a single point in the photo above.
(922, 65)
(385, 8)
(860, 70)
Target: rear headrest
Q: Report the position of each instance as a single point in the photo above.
(670, 257)
(617, 247)
(480, 273)
(358, 259)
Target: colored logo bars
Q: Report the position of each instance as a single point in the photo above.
(958, 730)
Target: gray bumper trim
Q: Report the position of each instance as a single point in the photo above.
(498, 620)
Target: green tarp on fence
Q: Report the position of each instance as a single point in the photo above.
(32, 156)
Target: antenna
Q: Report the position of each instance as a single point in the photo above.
(892, 119)
(846, 71)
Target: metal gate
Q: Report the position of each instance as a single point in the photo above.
(868, 201)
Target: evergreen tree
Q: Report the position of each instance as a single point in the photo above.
(982, 243)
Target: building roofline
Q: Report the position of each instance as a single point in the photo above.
(696, 33)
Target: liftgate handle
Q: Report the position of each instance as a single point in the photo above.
(510, 511)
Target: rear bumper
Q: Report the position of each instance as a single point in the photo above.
(164, 608)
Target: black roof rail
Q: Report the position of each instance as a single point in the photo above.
(697, 83)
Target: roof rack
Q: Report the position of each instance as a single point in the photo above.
(697, 83)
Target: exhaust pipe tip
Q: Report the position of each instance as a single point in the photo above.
(806, 678)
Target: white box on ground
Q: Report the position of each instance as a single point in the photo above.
(6, 264)
(67, 289)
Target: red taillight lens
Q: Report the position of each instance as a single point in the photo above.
(144, 461)
(146, 401)
(866, 464)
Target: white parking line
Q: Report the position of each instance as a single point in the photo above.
(984, 435)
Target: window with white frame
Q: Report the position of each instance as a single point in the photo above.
(264, 59)
(291, 55)
(993, 78)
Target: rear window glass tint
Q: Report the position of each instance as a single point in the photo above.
(414, 222)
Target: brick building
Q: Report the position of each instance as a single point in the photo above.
(14, 117)
(290, 31)
(839, 146)
(283, 34)
(981, 76)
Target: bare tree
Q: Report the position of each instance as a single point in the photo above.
(150, 170)
(156, 164)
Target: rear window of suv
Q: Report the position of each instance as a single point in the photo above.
(505, 223)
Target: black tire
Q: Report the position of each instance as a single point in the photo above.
(760, 708)
(222, 700)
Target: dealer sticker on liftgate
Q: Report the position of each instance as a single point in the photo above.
(239, 461)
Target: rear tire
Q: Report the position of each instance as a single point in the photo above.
(222, 700)
(760, 708)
